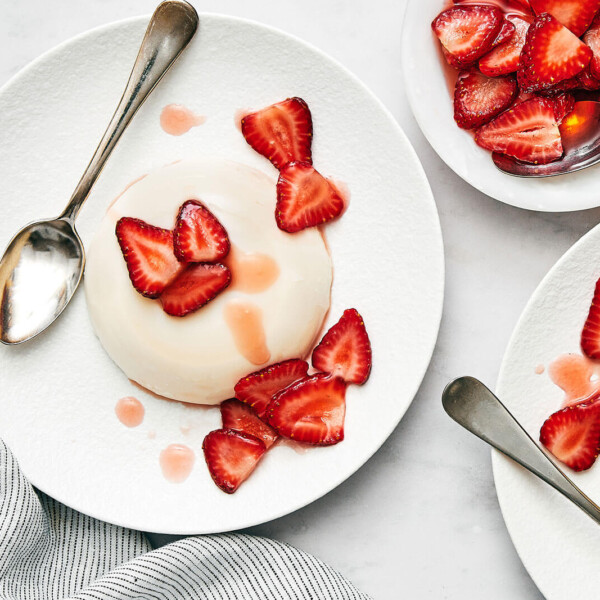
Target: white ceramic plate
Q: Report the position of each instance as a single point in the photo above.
(559, 544)
(59, 392)
(432, 104)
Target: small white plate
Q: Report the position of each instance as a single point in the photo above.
(558, 544)
(59, 391)
(431, 100)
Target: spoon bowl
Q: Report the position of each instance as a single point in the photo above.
(580, 133)
(39, 274)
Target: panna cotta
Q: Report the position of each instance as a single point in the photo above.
(273, 309)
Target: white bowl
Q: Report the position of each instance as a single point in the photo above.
(431, 101)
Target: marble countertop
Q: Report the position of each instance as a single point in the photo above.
(421, 518)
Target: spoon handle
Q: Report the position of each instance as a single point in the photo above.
(472, 405)
(171, 28)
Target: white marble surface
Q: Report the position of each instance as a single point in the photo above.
(420, 519)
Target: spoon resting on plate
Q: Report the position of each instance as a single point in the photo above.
(43, 264)
(472, 405)
(580, 133)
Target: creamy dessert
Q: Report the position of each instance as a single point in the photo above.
(272, 309)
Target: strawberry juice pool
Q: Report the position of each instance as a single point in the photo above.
(273, 309)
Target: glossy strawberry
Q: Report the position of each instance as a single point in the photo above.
(478, 98)
(195, 286)
(198, 235)
(148, 253)
(572, 435)
(504, 58)
(311, 410)
(345, 350)
(528, 131)
(241, 417)
(506, 32)
(281, 132)
(592, 39)
(231, 456)
(257, 389)
(563, 105)
(590, 336)
(468, 31)
(551, 54)
(575, 15)
(305, 198)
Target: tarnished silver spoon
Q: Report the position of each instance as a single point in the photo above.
(43, 264)
(580, 133)
(473, 406)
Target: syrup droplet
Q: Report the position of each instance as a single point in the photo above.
(130, 411)
(246, 324)
(573, 374)
(176, 119)
(540, 369)
(176, 462)
(251, 272)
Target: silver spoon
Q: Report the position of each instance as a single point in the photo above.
(473, 406)
(580, 133)
(43, 264)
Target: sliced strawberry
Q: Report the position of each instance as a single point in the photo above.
(198, 235)
(507, 30)
(468, 32)
(345, 350)
(231, 456)
(281, 132)
(240, 417)
(528, 131)
(550, 55)
(563, 105)
(478, 99)
(148, 253)
(453, 61)
(587, 81)
(575, 15)
(311, 411)
(590, 336)
(258, 388)
(572, 435)
(194, 287)
(305, 198)
(504, 58)
(592, 39)
(509, 6)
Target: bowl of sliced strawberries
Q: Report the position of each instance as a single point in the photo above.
(507, 77)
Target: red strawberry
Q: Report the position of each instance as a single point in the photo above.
(504, 58)
(258, 388)
(550, 55)
(148, 253)
(587, 81)
(528, 131)
(468, 32)
(310, 411)
(575, 15)
(305, 198)
(198, 236)
(507, 30)
(240, 417)
(281, 132)
(478, 99)
(573, 435)
(592, 39)
(231, 456)
(194, 287)
(453, 61)
(563, 105)
(590, 336)
(345, 350)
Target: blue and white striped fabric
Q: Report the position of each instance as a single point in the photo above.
(50, 552)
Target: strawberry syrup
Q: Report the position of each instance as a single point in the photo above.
(251, 272)
(176, 462)
(245, 320)
(576, 375)
(130, 411)
(176, 119)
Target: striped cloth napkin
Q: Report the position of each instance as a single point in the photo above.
(50, 552)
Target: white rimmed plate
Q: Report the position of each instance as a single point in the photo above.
(558, 544)
(59, 391)
(426, 87)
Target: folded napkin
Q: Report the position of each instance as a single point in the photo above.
(50, 552)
